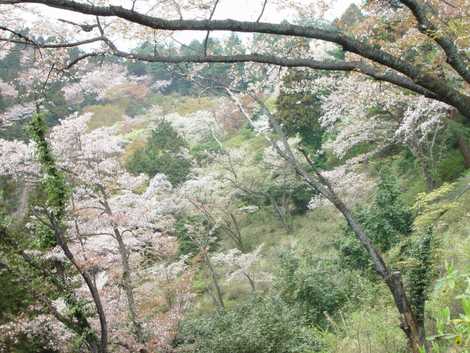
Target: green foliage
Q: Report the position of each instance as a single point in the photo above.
(385, 223)
(44, 236)
(15, 295)
(53, 181)
(419, 271)
(104, 115)
(162, 154)
(263, 325)
(301, 196)
(188, 242)
(186, 245)
(204, 151)
(313, 286)
(183, 105)
(450, 167)
(299, 113)
(452, 332)
(433, 205)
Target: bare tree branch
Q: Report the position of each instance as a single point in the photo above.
(83, 57)
(355, 66)
(25, 38)
(262, 11)
(53, 45)
(206, 40)
(84, 26)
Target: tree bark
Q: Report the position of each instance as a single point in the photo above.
(215, 281)
(126, 276)
(103, 348)
(465, 150)
(236, 233)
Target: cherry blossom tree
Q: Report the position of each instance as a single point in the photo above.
(104, 201)
(110, 219)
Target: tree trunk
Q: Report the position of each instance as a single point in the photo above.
(237, 236)
(22, 208)
(465, 150)
(393, 280)
(426, 166)
(126, 275)
(252, 283)
(215, 281)
(428, 177)
(281, 215)
(103, 347)
(128, 288)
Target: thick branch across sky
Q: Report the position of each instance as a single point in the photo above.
(417, 76)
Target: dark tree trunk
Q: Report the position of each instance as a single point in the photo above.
(126, 275)
(465, 150)
(409, 324)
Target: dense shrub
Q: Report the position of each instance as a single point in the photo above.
(187, 243)
(265, 325)
(299, 113)
(313, 286)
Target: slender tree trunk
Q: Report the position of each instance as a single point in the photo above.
(280, 215)
(103, 347)
(393, 280)
(128, 287)
(126, 277)
(250, 280)
(22, 208)
(237, 233)
(426, 167)
(428, 177)
(215, 281)
(465, 150)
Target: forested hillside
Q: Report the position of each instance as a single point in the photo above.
(288, 187)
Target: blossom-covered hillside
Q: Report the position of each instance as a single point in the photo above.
(300, 188)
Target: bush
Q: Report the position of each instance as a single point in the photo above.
(265, 325)
(162, 154)
(385, 223)
(313, 286)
